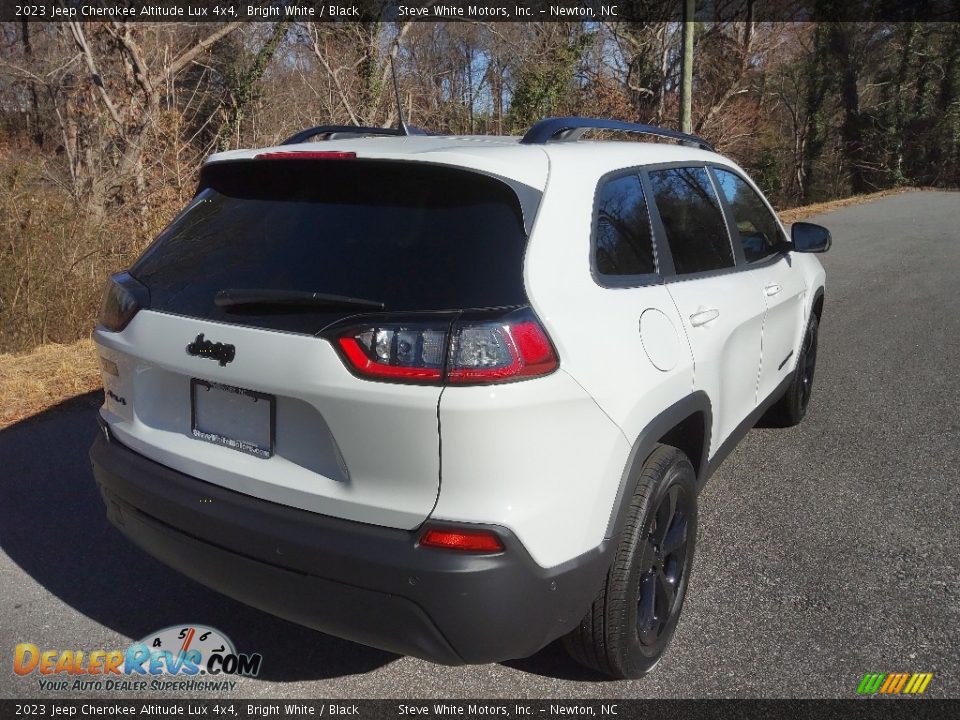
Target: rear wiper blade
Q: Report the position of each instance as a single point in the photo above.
(291, 298)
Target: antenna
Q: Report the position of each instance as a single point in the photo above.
(404, 130)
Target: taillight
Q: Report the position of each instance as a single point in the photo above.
(461, 539)
(123, 297)
(463, 352)
(488, 352)
(397, 351)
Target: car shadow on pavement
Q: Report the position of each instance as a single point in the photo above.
(553, 662)
(53, 525)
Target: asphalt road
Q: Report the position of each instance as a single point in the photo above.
(825, 551)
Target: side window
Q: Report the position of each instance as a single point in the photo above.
(760, 233)
(690, 211)
(623, 240)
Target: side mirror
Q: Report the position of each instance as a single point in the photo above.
(810, 238)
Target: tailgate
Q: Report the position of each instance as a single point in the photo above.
(342, 446)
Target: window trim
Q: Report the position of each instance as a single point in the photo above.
(614, 282)
(739, 257)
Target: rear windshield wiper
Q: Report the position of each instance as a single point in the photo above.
(291, 298)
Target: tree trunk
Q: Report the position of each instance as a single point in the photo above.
(818, 81)
(242, 92)
(898, 121)
(33, 113)
(686, 75)
(841, 42)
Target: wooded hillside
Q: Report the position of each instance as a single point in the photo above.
(103, 126)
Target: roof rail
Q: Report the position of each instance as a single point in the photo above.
(571, 128)
(341, 132)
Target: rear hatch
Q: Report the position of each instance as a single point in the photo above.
(228, 371)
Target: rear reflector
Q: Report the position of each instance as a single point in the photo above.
(464, 540)
(109, 367)
(306, 155)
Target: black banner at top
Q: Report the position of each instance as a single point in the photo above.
(476, 10)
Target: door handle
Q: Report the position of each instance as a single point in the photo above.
(772, 289)
(702, 317)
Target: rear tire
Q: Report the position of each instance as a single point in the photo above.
(792, 407)
(633, 618)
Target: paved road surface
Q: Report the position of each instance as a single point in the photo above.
(825, 551)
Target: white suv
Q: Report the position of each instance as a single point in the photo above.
(453, 397)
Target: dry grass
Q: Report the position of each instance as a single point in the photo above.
(35, 381)
(799, 213)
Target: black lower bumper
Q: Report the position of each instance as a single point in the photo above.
(365, 583)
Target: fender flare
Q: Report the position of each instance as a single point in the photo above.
(817, 294)
(646, 443)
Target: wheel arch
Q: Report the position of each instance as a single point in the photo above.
(685, 425)
(817, 306)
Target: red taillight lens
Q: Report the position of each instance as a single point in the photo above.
(306, 155)
(464, 540)
(489, 352)
(466, 352)
(358, 355)
(403, 352)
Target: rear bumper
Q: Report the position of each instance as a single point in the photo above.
(365, 583)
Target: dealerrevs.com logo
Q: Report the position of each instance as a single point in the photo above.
(183, 657)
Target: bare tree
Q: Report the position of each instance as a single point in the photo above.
(132, 101)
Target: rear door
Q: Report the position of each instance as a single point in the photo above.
(253, 396)
(722, 317)
(770, 271)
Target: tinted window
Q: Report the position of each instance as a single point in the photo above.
(759, 230)
(416, 237)
(691, 216)
(623, 239)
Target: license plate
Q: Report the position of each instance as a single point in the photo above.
(233, 417)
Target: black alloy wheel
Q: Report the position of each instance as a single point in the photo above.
(663, 562)
(628, 628)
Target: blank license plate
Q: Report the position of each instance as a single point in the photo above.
(233, 417)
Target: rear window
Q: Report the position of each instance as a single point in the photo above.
(415, 237)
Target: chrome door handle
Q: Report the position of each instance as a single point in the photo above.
(702, 317)
(772, 289)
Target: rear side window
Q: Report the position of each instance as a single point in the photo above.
(691, 216)
(624, 244)
(759, 230)
(413, 236)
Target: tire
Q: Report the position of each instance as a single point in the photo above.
(632, 620)
(790, 409)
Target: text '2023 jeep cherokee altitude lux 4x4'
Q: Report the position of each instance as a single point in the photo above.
(453, 397)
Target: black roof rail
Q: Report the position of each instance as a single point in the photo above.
(341, 132)
(571, 128)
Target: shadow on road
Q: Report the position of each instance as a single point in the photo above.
(53, 525)
(553, 662)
